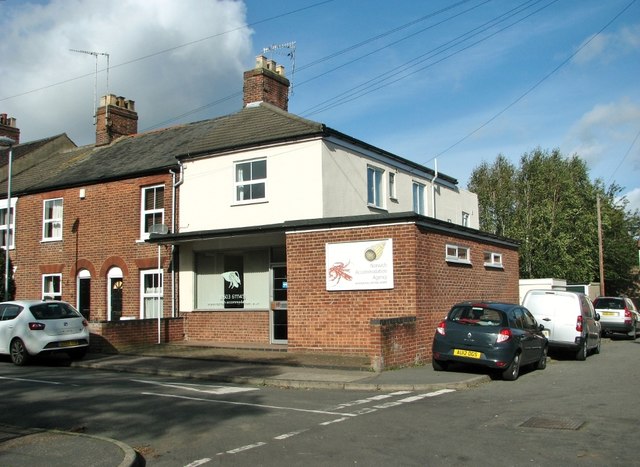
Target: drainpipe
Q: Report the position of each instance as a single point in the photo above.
(433, 188)
(175, 184)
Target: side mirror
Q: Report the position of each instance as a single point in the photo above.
(540, 327)
(597, 317)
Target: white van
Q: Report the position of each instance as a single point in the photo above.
(569, 319)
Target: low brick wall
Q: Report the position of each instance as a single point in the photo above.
(394, 343)
(116, 336)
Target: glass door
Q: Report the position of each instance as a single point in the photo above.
(279, 305)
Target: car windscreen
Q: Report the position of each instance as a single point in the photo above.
(54, 310)
(477, 316)
(610, 303)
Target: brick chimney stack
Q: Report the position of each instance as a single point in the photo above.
(266, 83)
(115, 117)
(8, 128)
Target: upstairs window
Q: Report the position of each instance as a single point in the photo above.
(458, 254)
(374, 187)
(3, 224)
(52, 219)
(392, 186)
(492, 259)
(152, 208)
(151, 293)
(418, 198)
(251, 180)
(465, 219)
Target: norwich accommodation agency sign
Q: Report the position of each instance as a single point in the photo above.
(363, 265)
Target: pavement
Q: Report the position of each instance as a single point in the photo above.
(268, 366)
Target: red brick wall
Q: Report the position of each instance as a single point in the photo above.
(99, 232)
(116, 336)
(246, 327)
(425, 287)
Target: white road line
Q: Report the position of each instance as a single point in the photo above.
(31, 380)
(274, 407)
(331, 422)
(289, 435)
(245, 448)
(198, 462)
(207, 389)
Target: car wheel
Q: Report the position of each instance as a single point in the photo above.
(78, 354)
(582, 351)
(596, 350)
(19, 354)
(542, 363)
(512, 372)
(633, 333)
(439, 365)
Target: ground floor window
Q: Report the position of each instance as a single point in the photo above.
(231, 280)
(52, 287)
(151, 293)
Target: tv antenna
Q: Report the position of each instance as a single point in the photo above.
(95, 87)
(291, 53)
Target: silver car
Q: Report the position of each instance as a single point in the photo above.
(618, 315)
(31, 327)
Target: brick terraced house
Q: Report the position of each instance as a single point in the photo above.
(258, 228)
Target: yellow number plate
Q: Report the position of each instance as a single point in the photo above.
(609, 313)
(466, 353)
(68, 343)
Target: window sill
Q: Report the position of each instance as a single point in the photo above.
(458, 261)
(493, 266)
(249, 202)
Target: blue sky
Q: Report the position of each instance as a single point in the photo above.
(454, 81)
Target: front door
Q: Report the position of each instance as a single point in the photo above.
(84, 297)
(279, 305)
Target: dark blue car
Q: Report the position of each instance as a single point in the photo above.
(496, 335)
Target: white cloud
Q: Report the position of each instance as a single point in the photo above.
(37, 38)
(608, 46)
(616, 121)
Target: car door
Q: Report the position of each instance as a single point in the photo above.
(8, 313)
(590, 322)
(534, 339)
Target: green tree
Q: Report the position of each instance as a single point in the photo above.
(548, 204)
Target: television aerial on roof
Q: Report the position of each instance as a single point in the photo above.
(288, 49)
(95, 88)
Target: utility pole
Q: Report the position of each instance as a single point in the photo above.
(600, 251)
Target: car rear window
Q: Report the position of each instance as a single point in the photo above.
(611, 303)
(477, 316)
(54, 311)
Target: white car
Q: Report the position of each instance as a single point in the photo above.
(31, 327)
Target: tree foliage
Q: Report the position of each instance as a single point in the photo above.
(548, 204)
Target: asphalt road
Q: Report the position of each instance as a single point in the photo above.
(572, 413)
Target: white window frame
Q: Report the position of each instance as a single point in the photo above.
(144, 233)
(417, 190)
(465, 219)
(238, 195)
(392, 186)
(493, 259)
(55, 221)
(50, 279)
(457, 254)
(155, 295)
(375, 187)
(12, 223)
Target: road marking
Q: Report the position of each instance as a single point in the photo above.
(31, 380)
(246, 448)
(217, 390)
(289, 435)
(275, 407)
(370, 399)
(198, 462)
(337, 420)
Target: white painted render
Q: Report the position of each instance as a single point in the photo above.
(308, 180)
